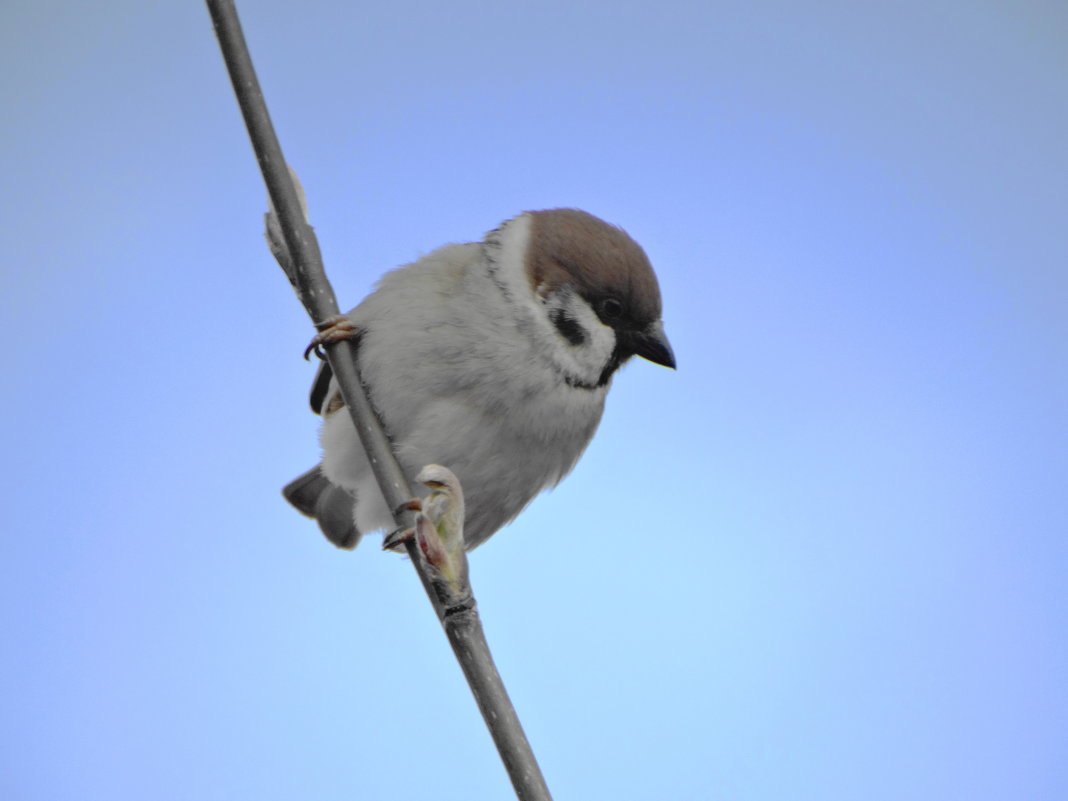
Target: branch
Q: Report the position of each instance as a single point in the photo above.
(299, 255)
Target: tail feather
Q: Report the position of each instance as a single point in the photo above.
(313, 495)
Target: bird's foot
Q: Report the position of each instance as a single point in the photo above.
(333, 329)
(414, 505)
(397, 539)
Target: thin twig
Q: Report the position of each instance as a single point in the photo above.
(303, 263)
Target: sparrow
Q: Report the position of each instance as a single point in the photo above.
(491, 358)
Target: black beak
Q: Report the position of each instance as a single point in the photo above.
(652, 344)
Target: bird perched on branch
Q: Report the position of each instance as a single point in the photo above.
(492, 358)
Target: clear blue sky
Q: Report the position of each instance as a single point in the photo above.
(825, 559)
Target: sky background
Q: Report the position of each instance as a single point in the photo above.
(825, 559)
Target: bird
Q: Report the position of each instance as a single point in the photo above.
(490, 358)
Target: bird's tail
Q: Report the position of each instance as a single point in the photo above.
(313, 495)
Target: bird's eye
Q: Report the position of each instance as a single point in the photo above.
(611, 308)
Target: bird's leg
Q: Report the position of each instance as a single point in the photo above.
(333, 329)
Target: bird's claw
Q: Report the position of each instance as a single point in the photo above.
(333, 329)
(413, 505)
(397, 539)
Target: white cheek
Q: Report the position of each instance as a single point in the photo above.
(602, 342)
